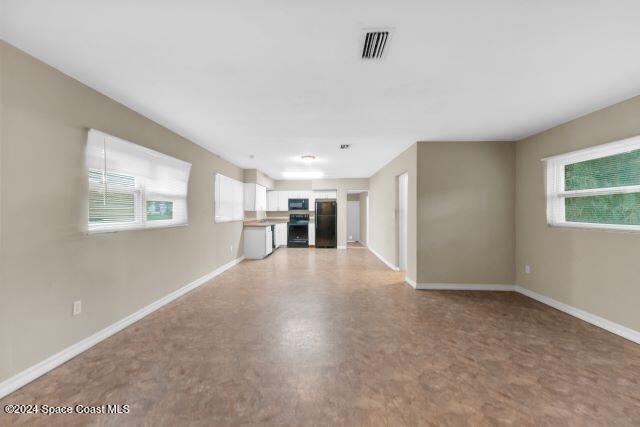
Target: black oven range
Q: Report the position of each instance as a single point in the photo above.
(298, 231)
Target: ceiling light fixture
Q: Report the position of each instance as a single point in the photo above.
(308, 158)
(302, 175)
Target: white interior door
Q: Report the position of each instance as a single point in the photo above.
(353, 221)
(403, 196)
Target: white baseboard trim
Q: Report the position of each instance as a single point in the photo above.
(342, 247)
(22, 378)
(411, 282)
(381, 258)
(462, 287)
(598, 321)
(607, 325)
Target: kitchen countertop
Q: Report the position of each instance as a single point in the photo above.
(267, 223)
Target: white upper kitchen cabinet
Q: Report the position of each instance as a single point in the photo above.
(278, 200)
(272, 201)
(261, 198)
(283, 200)
(255, 197)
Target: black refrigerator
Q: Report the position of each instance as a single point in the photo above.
(326, 224)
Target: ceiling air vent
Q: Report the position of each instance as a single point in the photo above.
(374, 44)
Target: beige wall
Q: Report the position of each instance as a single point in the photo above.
(5, 356)
(596, 271)
(382, 205)
(258, 177)
(294, 185)
(465, 226)
(47, 262)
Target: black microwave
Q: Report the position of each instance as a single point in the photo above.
(298, 204)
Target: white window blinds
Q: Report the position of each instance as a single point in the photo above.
(598, 187)
(229, 199)
(132, 187)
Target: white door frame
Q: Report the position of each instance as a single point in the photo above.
(367, 216)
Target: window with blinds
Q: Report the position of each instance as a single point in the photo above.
(228, 199)
(133, 187)
(597, 187)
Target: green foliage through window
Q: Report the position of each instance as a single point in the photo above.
(159, 210)
(612, 171)
(622, 209)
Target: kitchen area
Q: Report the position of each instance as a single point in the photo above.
(291, 218)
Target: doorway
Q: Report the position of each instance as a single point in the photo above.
(402, 209)
(357, 218)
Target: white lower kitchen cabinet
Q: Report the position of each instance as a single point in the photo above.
(312, 233)
(281, 234)
(258, 242)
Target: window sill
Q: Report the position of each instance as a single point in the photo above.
(136, 228)
(596, 227)
(228, 221)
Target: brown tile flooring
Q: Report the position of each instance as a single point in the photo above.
(327, 337)
(355, 245)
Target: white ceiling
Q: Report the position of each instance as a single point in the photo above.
(279, 79)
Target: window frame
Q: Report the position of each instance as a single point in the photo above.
(555, 182)
(141, 195)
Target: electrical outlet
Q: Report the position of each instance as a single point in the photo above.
(527, 269)
(77, 307)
